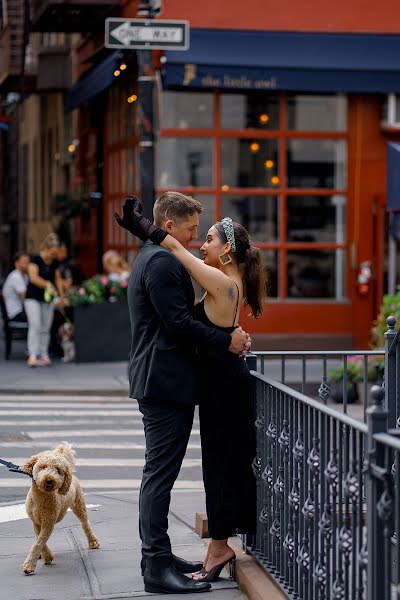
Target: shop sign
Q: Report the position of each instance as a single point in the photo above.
(139, 34)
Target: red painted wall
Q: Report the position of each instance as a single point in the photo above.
(358, 16)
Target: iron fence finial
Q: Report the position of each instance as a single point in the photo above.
(377, 394)
(391, 322)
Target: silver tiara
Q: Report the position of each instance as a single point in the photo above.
(227, 224)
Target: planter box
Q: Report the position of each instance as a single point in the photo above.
(102, 332)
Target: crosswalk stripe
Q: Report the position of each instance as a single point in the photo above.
(62, 398)
(66, 433)
(104, 484)
(17, 512)
(117, 462)
(60, 413)
(43, 423)
(89, 445)
(76, 406)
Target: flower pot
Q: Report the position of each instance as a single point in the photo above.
(336, 393)
(102, 332)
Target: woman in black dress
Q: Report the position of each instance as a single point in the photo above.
(232, 274)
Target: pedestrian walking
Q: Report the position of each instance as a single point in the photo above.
(164, 376)
(44, 284)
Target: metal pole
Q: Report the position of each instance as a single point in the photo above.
(377, 423)
(392, 265)
(391, 373)
(146, 118)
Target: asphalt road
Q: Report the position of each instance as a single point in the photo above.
(106, 432)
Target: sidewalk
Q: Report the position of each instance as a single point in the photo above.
(87, 378)
(110, 573)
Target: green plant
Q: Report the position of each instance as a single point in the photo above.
(99, 288)
(354, 374)
(390, 306)
(356, 367)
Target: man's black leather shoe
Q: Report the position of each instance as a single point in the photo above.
(168, 580)
(180, 564)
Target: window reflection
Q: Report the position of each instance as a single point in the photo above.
(254, 110)
(258, 214)
(315, 274)
(316, 219)
(184, 162)
(187, 110)
(249, 163)
(270, 260)
(308, 112)
(207, 217)
(316, 164)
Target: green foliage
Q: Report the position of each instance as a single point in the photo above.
(390, 306)
(97, 289)
(355, 369)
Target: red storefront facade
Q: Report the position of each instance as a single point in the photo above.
(305, 170)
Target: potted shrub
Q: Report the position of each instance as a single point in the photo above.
(102, 330)
(336, 379)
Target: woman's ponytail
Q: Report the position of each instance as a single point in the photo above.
(254, 279)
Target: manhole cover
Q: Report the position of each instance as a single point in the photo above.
(14, 436)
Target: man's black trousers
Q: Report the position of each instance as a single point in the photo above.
(167, 429)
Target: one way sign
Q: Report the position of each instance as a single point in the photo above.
(139, 34)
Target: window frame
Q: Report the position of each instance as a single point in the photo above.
(282, 191)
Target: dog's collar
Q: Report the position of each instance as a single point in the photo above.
(14, 468)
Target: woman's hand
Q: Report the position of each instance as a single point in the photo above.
(133, 221)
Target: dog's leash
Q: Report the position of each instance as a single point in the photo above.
(14, 468)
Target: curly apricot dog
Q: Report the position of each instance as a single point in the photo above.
(54, 489)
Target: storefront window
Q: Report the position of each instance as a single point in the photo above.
(270, 260)
(189, 110)
(316, 218)
(185, 161)
(308, 112)
(283, 179)
(315, 274)
(207, 217)
(249, 163)
(249, 111)
(258, 214)
(316, 163)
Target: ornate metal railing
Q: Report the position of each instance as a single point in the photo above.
(328, 489)
(311, 496)
(309, 372)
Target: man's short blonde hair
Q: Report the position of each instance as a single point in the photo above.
(175, 206)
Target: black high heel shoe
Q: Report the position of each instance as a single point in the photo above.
(213, 574)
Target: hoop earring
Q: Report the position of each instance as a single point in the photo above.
(226, 262)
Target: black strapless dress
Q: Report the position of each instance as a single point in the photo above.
(227, 440)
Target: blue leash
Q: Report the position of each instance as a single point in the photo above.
(14, 468)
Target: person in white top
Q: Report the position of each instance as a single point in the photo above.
(14, 288)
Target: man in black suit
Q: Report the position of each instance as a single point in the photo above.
(163, 378)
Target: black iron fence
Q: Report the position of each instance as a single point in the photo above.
(343, 378)
(328, 500)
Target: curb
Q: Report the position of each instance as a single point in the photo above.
(252, 579)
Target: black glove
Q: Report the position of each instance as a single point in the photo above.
(137, 224)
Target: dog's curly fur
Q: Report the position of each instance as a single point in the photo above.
(54, 489)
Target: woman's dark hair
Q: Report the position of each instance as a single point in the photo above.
(250, 262)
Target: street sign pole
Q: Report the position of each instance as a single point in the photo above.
(146, 79)
(143, 35)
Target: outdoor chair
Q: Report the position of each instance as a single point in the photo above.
(12, 331)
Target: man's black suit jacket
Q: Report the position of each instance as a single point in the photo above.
(165, 337)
